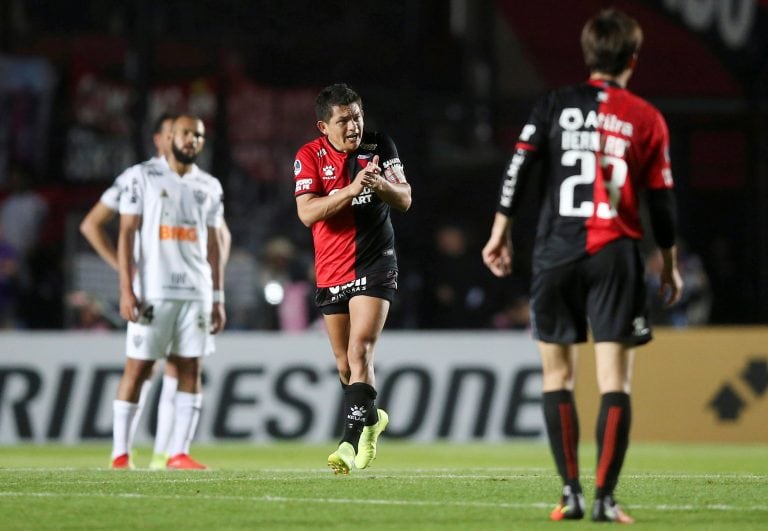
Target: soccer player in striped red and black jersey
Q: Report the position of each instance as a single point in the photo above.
(599, 146)
(346, 183)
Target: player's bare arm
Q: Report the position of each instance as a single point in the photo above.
(313, 208)
(93, 229)
(129, 304)
(226, 244)
(391, 187)
(215, 245)
(497, 253)
(670, 280)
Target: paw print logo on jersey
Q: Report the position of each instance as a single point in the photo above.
(357, 413)
(329, 172)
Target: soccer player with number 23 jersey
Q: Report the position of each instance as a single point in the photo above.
(599, 145)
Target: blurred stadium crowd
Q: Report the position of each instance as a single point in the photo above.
(82, 82)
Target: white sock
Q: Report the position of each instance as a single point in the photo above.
(184, 424)
(134, 427)
(123, 415)
(165, 414)
(195, 420)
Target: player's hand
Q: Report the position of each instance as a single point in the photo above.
(497, 256)
(670, 286)
(218, 318)
(371, 175)
(130, 309)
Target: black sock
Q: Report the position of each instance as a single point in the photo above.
(358, 402)
(563, 431)
(613, 425)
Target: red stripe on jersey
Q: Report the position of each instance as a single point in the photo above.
(630, 158)
(321, 170)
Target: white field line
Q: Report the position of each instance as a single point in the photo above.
(257, 474)
(380, 502)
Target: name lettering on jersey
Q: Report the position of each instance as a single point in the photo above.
(572, 119)
(303, 185)
(591, 141)
(329, 173)
(183, 234)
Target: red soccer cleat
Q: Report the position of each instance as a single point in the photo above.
(122, 462)
(184, 462)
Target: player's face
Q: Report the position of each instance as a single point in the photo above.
(345, 127)
(164, 139)
(188, 139)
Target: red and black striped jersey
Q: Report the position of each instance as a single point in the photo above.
(359, 239)
(599, 145)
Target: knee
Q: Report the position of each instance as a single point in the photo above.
(560, 376)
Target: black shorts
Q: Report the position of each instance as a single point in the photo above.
(335, 299)
(605, 290)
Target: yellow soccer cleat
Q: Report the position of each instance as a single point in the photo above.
(342, 459)
(366, 448)
(159, 462)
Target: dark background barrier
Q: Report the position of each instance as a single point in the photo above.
(451, 81)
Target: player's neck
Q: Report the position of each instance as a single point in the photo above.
(621, 79)
(179, 167)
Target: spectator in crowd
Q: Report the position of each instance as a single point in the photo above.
(22, 215)
(696, 301)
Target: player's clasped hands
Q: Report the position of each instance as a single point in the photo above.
(371, 175)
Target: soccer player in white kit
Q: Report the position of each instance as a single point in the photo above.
(171, 282)
(93, 228)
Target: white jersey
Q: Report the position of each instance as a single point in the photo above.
(111, 196)
(172, 242)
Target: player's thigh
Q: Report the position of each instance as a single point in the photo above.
(558, 305)
(617, 303)
(337, 327)
(191, 338)
(367, 317)
(150, 337)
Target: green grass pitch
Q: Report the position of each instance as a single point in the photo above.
(410, 486)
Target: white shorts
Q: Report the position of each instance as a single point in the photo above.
(171, 327)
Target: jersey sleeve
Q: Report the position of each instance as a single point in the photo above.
(528, 149)
(215, 217)
(658, 172)
(132, 191)
(305, 172)
(389, 160)
(111, 196)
